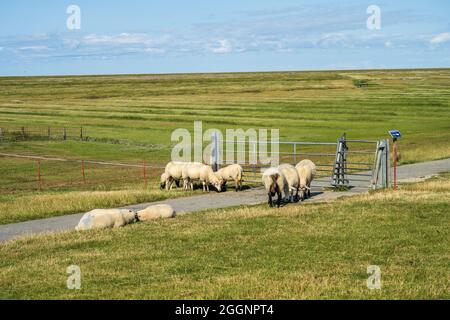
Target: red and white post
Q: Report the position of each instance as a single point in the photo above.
(395, 165)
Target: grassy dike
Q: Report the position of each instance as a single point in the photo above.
(143, 110)
(299, 251)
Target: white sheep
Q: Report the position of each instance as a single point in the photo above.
(159, 211)
(306, 171)
(292, 179)
(232, 172)
(174, 173)
(202, 172)
(106, 218)
(274, 183)
(164, 181)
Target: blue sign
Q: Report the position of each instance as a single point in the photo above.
(395, 134)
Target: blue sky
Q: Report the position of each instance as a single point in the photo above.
(210, 36)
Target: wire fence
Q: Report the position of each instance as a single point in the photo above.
(20, 172)
(27, 173)
(80, 133)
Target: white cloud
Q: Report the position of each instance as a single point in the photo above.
(122, 38)
(440, 38)
(34, 48)
(225, 47)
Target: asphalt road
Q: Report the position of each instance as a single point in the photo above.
(218, 200)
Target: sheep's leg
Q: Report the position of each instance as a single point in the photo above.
(207, 187)
(237, 185)
(279, 199)
(270, 200)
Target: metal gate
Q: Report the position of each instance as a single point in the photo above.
(341, 164)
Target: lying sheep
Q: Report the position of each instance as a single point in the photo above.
(292, 179)
(105, 218)
(202, 172)
(174, 173)
(234, 173)
(159, 211)
(274, 183)
(306, 171)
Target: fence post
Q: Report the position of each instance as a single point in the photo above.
(376, 166)
(388, 165)
(295, 153)
(64, 133)
(215, 153)
(145, 174)
(23, 133)
(39, 175)
(381, 172)
(82, 171)
(340, 166)
(48, 132)
(255, 156)
(81, 133)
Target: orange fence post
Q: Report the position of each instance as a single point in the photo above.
(39, 175)
(145, 174)
(82, 171)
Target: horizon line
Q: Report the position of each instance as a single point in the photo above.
(220, 72)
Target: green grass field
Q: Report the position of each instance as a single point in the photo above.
(305, 251)
(142, 110)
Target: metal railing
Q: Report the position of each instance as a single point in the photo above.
(344, 163)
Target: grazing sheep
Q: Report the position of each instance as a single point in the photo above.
(202, 172)
(234, 173)
(190, 172)
(163, 181)
(274, 183)
(159, 211)
(306, 171)
(106, 218)
(174, 173)
(292, 179)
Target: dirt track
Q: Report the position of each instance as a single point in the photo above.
(215, 201)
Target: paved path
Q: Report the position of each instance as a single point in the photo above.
(217, 200)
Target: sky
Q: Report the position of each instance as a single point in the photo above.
(175, 36)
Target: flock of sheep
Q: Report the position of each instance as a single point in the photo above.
(188, 172)
(284, 179)
(289, 180)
